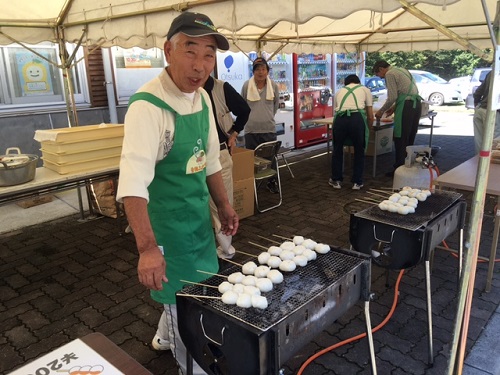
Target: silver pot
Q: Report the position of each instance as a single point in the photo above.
(17, 168)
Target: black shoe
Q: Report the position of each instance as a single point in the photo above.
(389, 174)
(272, 186)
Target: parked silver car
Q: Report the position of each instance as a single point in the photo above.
(435, 89)
(477, 77)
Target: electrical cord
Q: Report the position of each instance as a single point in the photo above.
(360, 336)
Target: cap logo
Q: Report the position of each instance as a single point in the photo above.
(205, 23)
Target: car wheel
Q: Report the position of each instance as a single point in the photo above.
(436, 98)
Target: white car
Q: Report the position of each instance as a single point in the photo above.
(435, 89)
(461, 84)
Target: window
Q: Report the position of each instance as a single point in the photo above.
(134, 67)
(32, 78)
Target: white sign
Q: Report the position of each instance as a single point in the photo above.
(74, 358)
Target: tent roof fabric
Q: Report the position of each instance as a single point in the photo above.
(317, 26)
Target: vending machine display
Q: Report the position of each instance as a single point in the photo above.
(345, 64)
(312, 97)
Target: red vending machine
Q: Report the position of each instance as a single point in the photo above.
(312, 97)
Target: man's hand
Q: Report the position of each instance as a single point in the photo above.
(229, 220)
(378, 114)
(151, 269)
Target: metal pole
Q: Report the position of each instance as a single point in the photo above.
(474, 229)
(67, 82)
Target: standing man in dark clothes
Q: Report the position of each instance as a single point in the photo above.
(404, 101)
(480, 112)
(226, 101)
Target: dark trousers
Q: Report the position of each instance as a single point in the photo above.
(409, 128)
(352, 128)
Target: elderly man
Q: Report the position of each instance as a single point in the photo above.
(402, 100)
(169, 166)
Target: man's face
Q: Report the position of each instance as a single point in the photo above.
(381, 72)
(260, 73)
(190, 60)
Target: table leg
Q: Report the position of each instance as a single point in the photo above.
(494, 244)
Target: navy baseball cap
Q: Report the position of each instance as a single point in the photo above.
(197, 24)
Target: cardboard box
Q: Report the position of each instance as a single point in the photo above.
(384, 142)
(35, 201)
(243, 197)
(242, 164)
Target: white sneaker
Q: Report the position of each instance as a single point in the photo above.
(357, 186)
(221, 253)
(334, 184)
(160, 344)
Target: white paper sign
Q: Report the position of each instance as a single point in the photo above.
(74, 358)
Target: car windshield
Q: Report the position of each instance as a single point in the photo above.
(433, 77)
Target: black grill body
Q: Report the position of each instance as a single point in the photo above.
(399, 242)
(231, 340)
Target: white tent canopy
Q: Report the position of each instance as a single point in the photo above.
(310, 26)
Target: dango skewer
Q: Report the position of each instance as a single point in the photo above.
(200, 284)
(211, 273)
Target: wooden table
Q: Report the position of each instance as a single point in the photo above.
(329, 122)
(47, 181)
(463, 177)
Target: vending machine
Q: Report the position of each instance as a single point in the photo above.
(312, 97)
(345, 64)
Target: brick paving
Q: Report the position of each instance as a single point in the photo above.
(64, 279)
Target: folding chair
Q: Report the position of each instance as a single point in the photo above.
(269, 151)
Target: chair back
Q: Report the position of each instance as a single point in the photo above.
(268, 150)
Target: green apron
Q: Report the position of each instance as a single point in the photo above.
(178, 206)
(347, 112)
(400, 103)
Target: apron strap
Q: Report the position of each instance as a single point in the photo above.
(350, 91)
(148, 97)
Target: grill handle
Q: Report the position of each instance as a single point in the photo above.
(209, 338)
(380, 240)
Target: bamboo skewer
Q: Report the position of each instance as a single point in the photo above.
(192, 282)
(388, 192)
(378, 195)
(211, 273)
(196, 296)
(268, 239)
(284, 238)
(250, 255)
(231, 261)
(256, 244)
(361, 200)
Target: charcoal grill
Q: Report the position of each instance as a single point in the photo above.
(401, 241)
(226, 339)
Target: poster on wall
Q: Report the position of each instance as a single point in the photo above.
(33, 74)
(136, 59)
(233, 68)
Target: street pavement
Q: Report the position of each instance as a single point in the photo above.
(63, 279)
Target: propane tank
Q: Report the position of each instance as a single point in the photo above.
(416, 172)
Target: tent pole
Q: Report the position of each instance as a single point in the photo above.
(67, 81)
(474, 229)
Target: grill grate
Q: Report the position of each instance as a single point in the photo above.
(432, 207)
(297, 288)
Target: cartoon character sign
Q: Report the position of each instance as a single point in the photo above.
(33, 74)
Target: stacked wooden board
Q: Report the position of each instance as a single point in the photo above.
(81, 148)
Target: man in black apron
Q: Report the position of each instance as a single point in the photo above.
(169, 166)
(402, 100)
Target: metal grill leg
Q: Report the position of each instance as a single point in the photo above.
(429, 309)
(370, 337)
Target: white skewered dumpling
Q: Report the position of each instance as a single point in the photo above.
(274, 262)
(225, 286)
(309, 244)
(249, 280)
(251, 290)
(265, 284)
(238, 288)
(287, 255)
(288, 265)
(275, 276)
(263, 257)
(322, 248)
(261, 271)
(299, 249)
(309, 254)
(249, 268)
(229, 297)
(259, 302)
(300, 260)
(297, 240)
(244, 300)
(287, 245)
(275, 250)
(235, 278)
